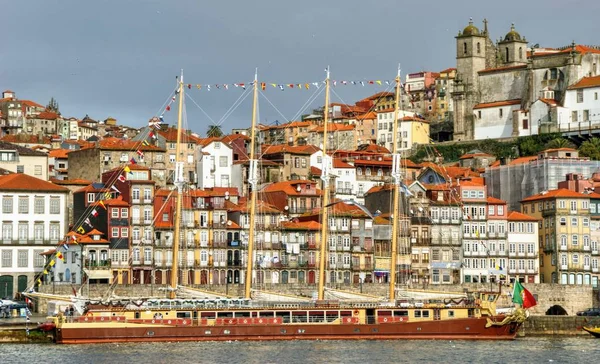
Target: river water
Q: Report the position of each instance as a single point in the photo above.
(523, 351)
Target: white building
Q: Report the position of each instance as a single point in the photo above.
(523, 254)
(215, 160)
(34, 219)
(23, 160)
(583, 103)
(345, 179)
(495, 119)
(385, 127)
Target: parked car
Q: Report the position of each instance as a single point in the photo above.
(589, 312)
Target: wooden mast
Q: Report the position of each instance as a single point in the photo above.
(396, 175)
(253, 181)
(178, 182)
(325, 179)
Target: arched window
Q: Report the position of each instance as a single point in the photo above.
(368, 171)
(359, 171)
(465, 48)
(507, 54)
(379, 172)
(478, 48)
(520, 53)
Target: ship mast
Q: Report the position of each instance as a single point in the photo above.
(396, 175)
(253, 181)
(178, 182)
(325, 179)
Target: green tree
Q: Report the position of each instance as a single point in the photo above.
(52, 105)
(529, 146)
(214, 131)
(590, 149)
(559, 143)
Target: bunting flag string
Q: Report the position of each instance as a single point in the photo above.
(283, 86)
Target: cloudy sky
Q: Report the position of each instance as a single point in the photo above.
(119, 58)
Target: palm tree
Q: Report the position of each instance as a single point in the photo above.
(214, 131)
(590, 149)
(559, 143)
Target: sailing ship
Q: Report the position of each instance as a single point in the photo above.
(224, 319)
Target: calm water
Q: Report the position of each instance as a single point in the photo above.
(523, 351)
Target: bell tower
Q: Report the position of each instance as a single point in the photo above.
(471, 51)
(513, 49)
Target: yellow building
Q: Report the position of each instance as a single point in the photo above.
(444, 86)
(566, 252)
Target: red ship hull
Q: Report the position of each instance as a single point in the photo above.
(458, 329)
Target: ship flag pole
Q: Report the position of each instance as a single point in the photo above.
(178, 182)
(253, 182)
(396, 176)
(325, 178)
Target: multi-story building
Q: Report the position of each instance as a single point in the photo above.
(19, 159)
(58, 164)
(420, 89)
(529, 176)
(340, 136)
(292, 197)
(366, 128)
(523, 252)
(91, 161)
(34, 219)
(44, 123)
(444, 86)
(567, 256)
(292, 133)
(295, 161)
(214, 161)
(345, 179)
(412, 130)
(11, 109)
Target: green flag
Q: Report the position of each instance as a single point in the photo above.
(518, 293)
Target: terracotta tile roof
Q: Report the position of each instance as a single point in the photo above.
(262, 207)
(373, 148)
(284, 148)
(232, 225)
(338, 163)
(450, 171)
(380, 95)
(384, 162)
(586, 82)
(315, 171)
(24, 182)
(448, 70)
(25, 138)
(501, 69)
(495, 201)
(380, 220)
(559, 150)
(560, 193)
(474, 155)
(170, 136)
(517, 216)
(368, 115)
(497, 104)
(124, 144)
(47, 115)
(231, 137)
(116, 202)
(523, 160)
(288, 187)
(300, 225)
(550, 102)
(77, 181)
(415, 118)
(59, 153)
(333, 127)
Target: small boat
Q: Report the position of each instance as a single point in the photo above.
(594, 330)
(224, 319)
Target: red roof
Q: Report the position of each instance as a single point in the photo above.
(284, 148)
(495, 201)
(474, 155)
(550, 102)
(332, 127)
(24, 182)
(497, 104)
(170, 136)
(448, 70)
(559, 150)
(123, 144)
(59, 153)
(380, 95)
(517, 216)
(301, 225)
(49, 115)
(288, 187)
(338, 163)
(586, 82)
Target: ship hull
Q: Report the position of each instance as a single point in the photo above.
(459, 329)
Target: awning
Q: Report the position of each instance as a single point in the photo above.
(98, 274)
(445, 265)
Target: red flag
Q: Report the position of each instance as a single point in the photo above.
(121, 178)
(263, 86)
(528, 299)
(168, 107)
(94, 213)
(189, 86)
(140, 153)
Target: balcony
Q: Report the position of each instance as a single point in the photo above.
(100, 264)
(374, 178)
(298, 210)
(343, 191)
(420, 241)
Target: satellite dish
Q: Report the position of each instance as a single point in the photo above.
(286, 208)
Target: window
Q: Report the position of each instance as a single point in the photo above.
(54, 205)
(114, 213)
(7, 259)
(478, 48)
(38, 259)
(575, 240)
(573, 205)
(114, 232)
(172, 158)
(38, 231)
(579, 96)
(500, 210)
(465, 48)
(125, 232)
(7, 205)
(124, 213)
(38, 205)
(147, 194)
(21, 169)
(500, 112)
(563, 221)
(23, 205)
(37, 170)
(23, 231)
(525, 124)
(223, 161)
(574, 116)
(586, 115)
(479, 114)
(22, 258)
(135, 194)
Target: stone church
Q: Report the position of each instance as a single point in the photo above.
(506, 88)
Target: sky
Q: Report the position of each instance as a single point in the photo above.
(119, 58)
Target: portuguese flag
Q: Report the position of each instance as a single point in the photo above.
(522, 296)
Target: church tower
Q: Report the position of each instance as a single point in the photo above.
(471, 51)
(513, 49)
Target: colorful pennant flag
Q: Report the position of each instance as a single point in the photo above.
(145, 143)
(133, 161)
(121, 178)
(94, 213)
(81, 230)
(116, 189)
(102, 204)
(60, 256)
(126, 169)
(52, 262)
(45, 271)
(140, 153)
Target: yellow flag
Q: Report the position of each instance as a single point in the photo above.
(199, 87)
(126, 169)
(81, 230)
(52, 262)
(45, 271)
(39, 281)
(107, 196)
(378, 82)
(306, 85)
(274, 85)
